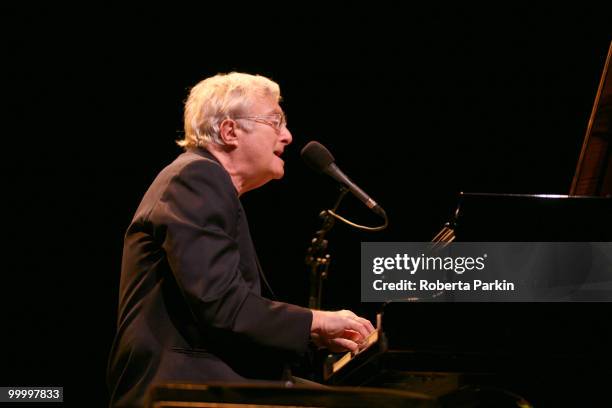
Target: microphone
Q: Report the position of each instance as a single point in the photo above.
(321, 160)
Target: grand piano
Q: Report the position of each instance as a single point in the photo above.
(475, 354)
(549, 354)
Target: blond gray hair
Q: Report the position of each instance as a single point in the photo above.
(220, 97)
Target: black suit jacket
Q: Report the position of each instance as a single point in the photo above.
(190, 305)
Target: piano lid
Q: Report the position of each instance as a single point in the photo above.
(593, 174)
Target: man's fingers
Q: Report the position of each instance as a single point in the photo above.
(357, 338)
(367, 324)
(356, 325)
(352, 335)
(345, 344)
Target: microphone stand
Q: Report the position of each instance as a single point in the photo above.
(317, 257)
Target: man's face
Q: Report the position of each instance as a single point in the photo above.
(263, 145)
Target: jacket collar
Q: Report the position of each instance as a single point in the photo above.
(204, 153)
(200, 151)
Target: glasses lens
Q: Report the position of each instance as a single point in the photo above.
(276, 121)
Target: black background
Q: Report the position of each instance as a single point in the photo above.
(415, 104)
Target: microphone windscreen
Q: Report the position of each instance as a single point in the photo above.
(317, 156)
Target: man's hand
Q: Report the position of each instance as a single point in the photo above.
(339, 331)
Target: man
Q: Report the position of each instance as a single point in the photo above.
(190, 305)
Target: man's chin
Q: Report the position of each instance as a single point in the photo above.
(279, 172)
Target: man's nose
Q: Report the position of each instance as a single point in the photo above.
(286, 136)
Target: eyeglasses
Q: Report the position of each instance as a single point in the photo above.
(275, 120)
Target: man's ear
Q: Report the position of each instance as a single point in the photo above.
(227, 132)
